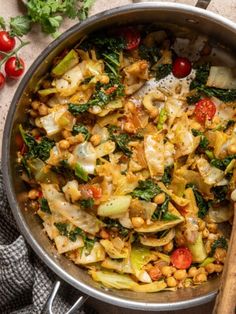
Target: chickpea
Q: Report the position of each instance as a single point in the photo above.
(33, 194)
(220, 254)
(192, 271)
(64, 144)
(159, 198)
(43, 110)
(79, 138)
(232, 149)
(168, 247)
(212, 227)
(129, 127)
(95, 139)
(199, 278)
(218, 268)
(66, 133)
(104, 79)
(38, 123)
(35, 104)
(201, 270)
(167, 271)
(210, 268)
(205, 233)
(171, 282)
(180, 274)
(201, 224)
(137, 222)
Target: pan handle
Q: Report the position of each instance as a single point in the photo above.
(75, 307)
(203, 4)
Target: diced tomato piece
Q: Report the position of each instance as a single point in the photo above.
(131, 36)
(111, 90)
(91, 191)
(205, 110)
(181, 258)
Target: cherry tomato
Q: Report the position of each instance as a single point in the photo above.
(7, 43)
(181, 258)
(131, 36)
(181, 67)
(2, 80)
(205, 110)
(14, 67)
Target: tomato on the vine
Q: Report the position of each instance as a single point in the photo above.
(181, 67)
(7, 43)
(205, 110)
(2, 80)
(14, 67)
(181, 258)
(131, 37)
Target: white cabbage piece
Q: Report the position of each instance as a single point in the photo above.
(85, 155)
(222, 77)
(120, 281)
(211, 175)
(112, 105)
(64, 244)
(174, 109)
(114, 252)
(71, 191)
(221, 214)
(105, 148)
(50, 121)
(119, 266)
(68, 84)
(115, 206)
(101, 131)
(154, 242)
(97, 254)
(154, 153)
(71, 212)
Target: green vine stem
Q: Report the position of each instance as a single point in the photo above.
(13, 52)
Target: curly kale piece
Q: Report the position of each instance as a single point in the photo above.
(219, 243)
(202, 204)
(163, 70)
(146, 190)
(222, 163)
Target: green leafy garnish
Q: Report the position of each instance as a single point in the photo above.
(203, 140)
(20, 25)
(220, 193)
(73, 234)
(80, 128)
(219, 243)
(44, 206)
(163, 70)
(146, 190)
(81, 173)
(2, 23)
(83, 12)
(114, 224)
(78, 109)
(122, 140)
(62, 228)
(151, 54)
(202, 73)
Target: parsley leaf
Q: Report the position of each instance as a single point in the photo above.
(2, 23)
(146, 190)
(83, 12)
(20, 25)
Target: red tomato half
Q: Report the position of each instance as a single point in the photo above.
(181, 67)
(2, 80)
(181, 258)
(205, 110)
(131, 36)
(7, 43)
(14, 67)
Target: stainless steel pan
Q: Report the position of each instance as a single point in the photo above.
(214, 26)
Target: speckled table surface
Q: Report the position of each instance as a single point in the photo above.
(39, 41)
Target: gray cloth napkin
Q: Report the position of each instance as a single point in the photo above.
(25, 282)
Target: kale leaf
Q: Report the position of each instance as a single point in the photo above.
(202, 73)
(44, 205)
(202, 204)
(87, 203)
(122, 140)
(114, 224)
(220, 193)
(146, 190)
(167, 176)
(222, 163)
(163, 70)
(151, 54)
(219, 243)
(80, 128)
(161, 211)
(203, 144)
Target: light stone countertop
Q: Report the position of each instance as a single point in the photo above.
(39, 41)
